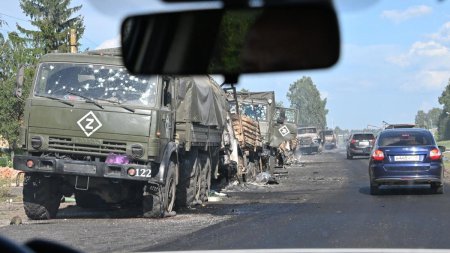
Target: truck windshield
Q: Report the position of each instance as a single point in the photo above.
(306, 131)
(254, 111)
(288, 114)
(96, 81)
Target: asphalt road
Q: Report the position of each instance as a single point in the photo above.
(323, 204)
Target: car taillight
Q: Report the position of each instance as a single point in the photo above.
(435, 154)
(378, 155)
(353, 141)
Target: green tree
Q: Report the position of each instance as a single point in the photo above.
(444, 120)
(244, 90)
(304, 96)
(433, 117)
(53, 20)
(13, 53)
(421, 119)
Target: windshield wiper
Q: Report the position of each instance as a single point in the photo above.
(119, 104)
(88, 99)
(55, 98)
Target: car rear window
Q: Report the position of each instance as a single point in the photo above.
(360, 137)
(405, 139)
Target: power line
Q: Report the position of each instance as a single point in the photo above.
(21, 19)
(29, 21)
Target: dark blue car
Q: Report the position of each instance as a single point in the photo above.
(406, 156)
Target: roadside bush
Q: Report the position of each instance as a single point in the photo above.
(5, 185)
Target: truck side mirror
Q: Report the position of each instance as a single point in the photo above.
(19, 82)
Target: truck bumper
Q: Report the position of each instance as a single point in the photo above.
(51, 165)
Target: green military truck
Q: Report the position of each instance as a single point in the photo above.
(92, 129)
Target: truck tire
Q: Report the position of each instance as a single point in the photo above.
(161, 203)
(205, 177)
(41, 196)
(189, 184)
(86, 199)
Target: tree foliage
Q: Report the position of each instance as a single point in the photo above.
(53, 20)
(13, 53)
(279, 104)
(421, 119)
(304, 96)
(444, 119)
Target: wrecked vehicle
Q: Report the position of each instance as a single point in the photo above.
(308, 139)
(93, 130)
(287, 117)
(329, 140)
(248, 136)
(260, 106)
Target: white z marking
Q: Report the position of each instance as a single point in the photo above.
(89, 125)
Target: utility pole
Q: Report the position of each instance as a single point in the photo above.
(73, 41)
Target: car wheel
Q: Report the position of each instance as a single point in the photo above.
(374, 189)
(437, 188)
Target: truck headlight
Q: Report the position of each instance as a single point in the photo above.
(36, 142)
(137, 150)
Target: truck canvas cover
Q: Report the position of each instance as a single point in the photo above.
(204, 102)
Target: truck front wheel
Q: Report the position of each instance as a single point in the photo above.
(41, 196)
(160, 203)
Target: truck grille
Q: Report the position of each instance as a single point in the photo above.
(305, 140)
(58, 144)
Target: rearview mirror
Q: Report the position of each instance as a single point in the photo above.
(232, 41)
(19, 82)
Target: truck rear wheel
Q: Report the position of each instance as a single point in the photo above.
(189, 184)
(160, 203)
(205, 177)
(41, 196)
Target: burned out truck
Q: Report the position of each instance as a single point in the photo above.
(260, 106)
(248, 138)
(111, 138)
(287, 119)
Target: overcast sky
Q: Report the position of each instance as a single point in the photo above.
(395, 57)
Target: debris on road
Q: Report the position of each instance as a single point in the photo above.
(214, 196)
(16, 220)
(265, 178)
